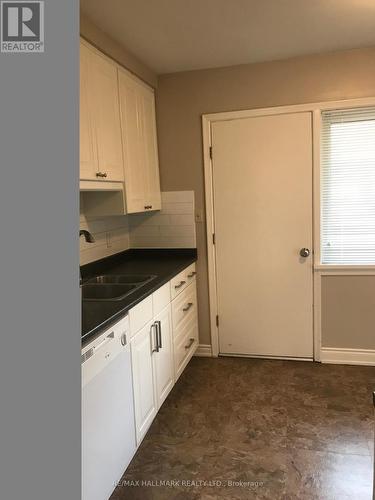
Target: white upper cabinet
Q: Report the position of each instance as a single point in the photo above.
(138, 125)
(88, 158)
(100, 128)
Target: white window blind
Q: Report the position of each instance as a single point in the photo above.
(348, 187)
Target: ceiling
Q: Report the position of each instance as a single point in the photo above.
(178, 35)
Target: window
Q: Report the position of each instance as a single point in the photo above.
(348, 187)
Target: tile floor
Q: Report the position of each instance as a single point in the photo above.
(241, 428)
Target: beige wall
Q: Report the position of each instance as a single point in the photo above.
(348, 311)
(111, 48)
(183, 97)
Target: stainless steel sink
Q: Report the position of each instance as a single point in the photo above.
(113, 287)
(95, 291)
(124, 278)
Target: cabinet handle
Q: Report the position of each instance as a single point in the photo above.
(154, 349)
(189, 305)
(180, 284)
(191, 342)
(193, 273)
(158, 330)
(148, 207)
(101, 174)
(123, 339)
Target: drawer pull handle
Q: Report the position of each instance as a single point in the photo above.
(191, 342)
(180, 284)
(148, 207)
(192, 274)
(101, 174)
(185, 309)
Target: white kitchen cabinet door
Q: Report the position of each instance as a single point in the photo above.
(138, 126)
(149, 139)
(135, 178)
(87, 154)
(106, 116)
(163, 359)
(100, 128)
(143, 349)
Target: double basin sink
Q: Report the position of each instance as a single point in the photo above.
(113, 287)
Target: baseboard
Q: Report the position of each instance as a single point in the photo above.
(348, 356)
(204, 351)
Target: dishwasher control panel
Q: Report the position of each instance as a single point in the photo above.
(104, 349)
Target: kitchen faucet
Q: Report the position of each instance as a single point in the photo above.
(87, 235)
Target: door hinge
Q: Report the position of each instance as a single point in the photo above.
(217, 320)
(213, 239)
(211, 152)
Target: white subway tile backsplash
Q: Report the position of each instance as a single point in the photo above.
(177, 231)
(155, 219)
(119, 238)
(171, 227)
(180, 220)
(174, 222)
(145, 231)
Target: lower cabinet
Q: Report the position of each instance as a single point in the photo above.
(152, 364)
(163, 358)
(185, 345)
(142, 347)
(164, 337)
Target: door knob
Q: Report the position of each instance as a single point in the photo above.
(304, 252)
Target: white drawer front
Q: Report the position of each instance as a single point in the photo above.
(178, 284)
(184, 306)
(161, 298)
(140, 315)
(185, 346)
(182, 280)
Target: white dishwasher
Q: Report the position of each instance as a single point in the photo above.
(108, 429)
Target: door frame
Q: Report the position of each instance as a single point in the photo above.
(319, 270)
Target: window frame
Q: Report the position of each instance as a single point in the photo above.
(317, 134)
(319, 251)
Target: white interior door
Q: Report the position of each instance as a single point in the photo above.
(262, 186)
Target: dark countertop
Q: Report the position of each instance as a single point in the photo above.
(165, 264)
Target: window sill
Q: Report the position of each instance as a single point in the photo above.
(345, 269)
